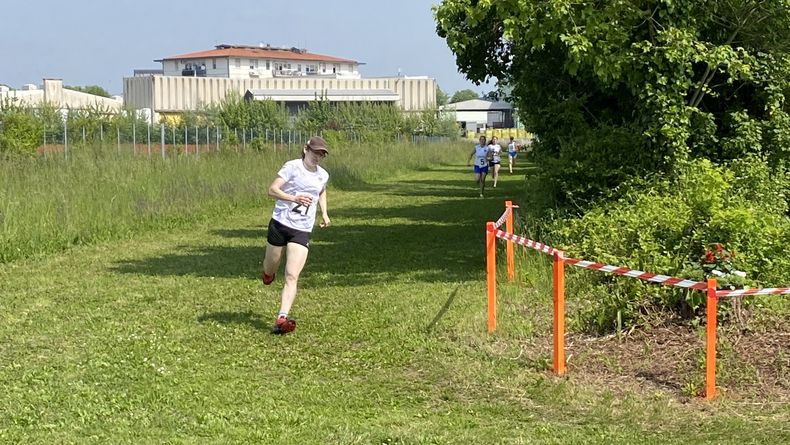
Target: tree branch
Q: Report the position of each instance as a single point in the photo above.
(709, 71)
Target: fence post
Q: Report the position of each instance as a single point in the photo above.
(710, 339)
(511, 264)
(559, 313)
(162, 134)
(148, 127)
(66, 139)
(491, 274)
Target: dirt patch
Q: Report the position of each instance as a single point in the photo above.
(753, 364)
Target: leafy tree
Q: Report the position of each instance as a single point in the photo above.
(441, 97)
(90, 89)
(463, 95)
(634, 87)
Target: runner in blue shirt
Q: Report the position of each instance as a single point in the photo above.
(480, 153)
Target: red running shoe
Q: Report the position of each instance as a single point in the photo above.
(283, 326)
(267, 279)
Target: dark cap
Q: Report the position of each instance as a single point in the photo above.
(317, 143)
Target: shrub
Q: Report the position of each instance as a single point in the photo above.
(20, 131)
(665, 226)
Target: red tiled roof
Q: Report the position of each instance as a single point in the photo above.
(262, 53)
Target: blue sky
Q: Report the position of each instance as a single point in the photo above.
(92, 42)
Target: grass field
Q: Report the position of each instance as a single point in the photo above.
(163, 337)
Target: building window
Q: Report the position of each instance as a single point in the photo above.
(299, 67)
(213, 64)
(335, 68)
(238, 63)
(268, 66)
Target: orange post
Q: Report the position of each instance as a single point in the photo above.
(491, 274)
(559, 313)
(710, 353)
(511, 263)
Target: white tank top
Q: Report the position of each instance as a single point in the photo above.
(496, 149)
(481, 153)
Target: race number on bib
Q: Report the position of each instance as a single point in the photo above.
(482, 162)
(300, 209)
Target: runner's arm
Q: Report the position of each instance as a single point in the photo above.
(324, 209)
(275, 191)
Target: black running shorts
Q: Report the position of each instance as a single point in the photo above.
(280, 235)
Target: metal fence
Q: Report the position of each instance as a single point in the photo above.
(164, 140)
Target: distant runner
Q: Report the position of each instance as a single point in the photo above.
(481, 154)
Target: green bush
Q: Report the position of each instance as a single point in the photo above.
(20, 132)
(665, 226)
(235, 112)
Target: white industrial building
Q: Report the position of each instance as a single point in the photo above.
(258, 62)
(54, 94)
(288, 75)
(480, 114)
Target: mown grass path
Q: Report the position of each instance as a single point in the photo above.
(165, 339)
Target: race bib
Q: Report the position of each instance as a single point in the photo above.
(482, 162)
(300, 209)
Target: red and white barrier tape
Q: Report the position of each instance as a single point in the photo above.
(526, 242)
(666, 280)
(646, 276)
(504, 216)
(624, 271)
(766, 291)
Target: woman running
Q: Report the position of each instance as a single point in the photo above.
(496, 158)
(300, 185)
(480, 154)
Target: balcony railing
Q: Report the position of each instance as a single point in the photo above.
(194, 72)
